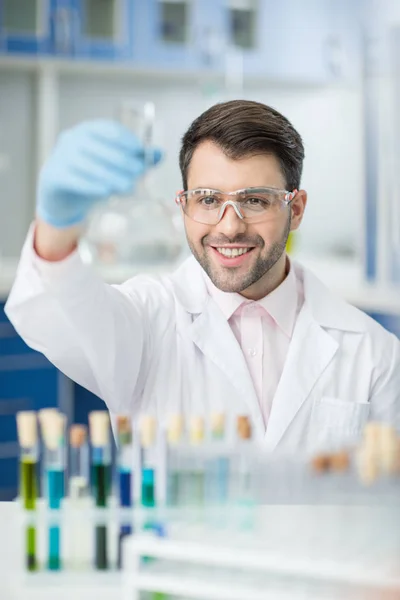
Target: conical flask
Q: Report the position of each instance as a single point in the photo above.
(139, 232)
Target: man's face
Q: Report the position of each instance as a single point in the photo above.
(265, 241)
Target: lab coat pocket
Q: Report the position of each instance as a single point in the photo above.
(336, 423)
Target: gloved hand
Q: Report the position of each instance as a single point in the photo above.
(90, 162)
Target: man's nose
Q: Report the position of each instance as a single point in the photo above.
(230, 224)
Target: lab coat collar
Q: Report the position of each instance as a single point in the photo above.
(327, 309)
(212, 334)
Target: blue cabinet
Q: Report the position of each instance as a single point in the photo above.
(26, 26)
(97, 29)
(312, 41)
(27, 382)
(101, 29)
(84, 403)
(390, 322)
(169, 33)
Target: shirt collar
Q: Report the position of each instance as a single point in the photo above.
(281, 304)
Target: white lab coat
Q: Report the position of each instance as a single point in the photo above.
(161, 345)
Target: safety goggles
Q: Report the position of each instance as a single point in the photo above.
(253, 205)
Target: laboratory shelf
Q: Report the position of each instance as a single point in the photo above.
(234, 556)
(144, 73)
(309, 551)
(201, 588)
(272, 588)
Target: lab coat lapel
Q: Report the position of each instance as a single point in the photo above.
(310, 352)
(212, 335)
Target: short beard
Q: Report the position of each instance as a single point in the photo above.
(262, 266)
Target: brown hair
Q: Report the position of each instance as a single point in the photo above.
(244, 128)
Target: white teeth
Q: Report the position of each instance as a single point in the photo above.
(233, 251)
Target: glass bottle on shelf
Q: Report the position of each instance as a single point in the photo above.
(139, 232)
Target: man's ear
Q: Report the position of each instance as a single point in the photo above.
(298, 206)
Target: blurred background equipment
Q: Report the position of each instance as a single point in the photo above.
(330, 66)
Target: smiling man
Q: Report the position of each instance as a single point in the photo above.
(238, 328)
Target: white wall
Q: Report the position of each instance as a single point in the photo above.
(17, 133)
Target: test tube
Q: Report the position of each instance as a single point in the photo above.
(78, 462)
(388, 449)
(148, 460)
(147, 440)
(368, 454)
(124, 474)
(193, 482)
(217, 471)
(42, 415)
(173, 468)
(99, 427)
(28, 442)
(53, 433)
(78, 533)
(242, 476)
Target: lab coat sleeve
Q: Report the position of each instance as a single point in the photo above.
(385, 394)
(93, 332)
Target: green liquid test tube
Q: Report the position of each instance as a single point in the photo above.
(27, 436)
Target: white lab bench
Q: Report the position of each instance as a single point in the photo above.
(295, 552)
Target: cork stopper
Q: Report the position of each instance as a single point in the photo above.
(368, 468)
(196, 430)
(45, 412)
(147, 431)
(243, 428)
(99, 428)
(123, 423)
(77, 435)
(27, 428)
(175, 429)
(321, 463)
(372, 432)
(340, 461)
(217, 425)
(53, 429)
(124, 429)
(388, 449)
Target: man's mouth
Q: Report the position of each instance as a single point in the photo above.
(231, 252)
(232, 256)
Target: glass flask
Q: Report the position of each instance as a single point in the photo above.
(141, 231)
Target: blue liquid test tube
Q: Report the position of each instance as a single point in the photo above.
(124, 475)
(54, 461)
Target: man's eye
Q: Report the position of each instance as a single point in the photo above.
(260, 202)
(208, 200)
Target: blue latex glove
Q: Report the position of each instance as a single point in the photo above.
(91, 162)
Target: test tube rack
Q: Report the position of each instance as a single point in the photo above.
(299, 552)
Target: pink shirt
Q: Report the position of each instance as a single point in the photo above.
(264, 330)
